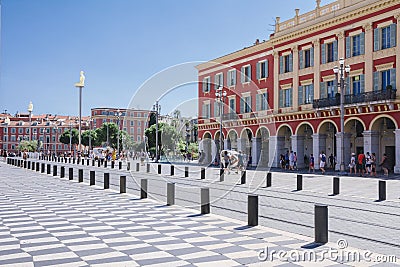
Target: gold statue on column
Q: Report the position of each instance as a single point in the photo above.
(81, 82)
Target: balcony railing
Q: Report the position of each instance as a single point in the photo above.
(387, 94)
(230, 116)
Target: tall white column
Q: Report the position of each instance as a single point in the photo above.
(319, 145)
(295, 85)
(255, 151)
(369, 66)
(317, 74)
(346, 150)
(276, 147)
(371, 142)
(226, 144)
(397, 155)
(298, 147)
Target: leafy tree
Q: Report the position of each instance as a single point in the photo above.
(65, 137)
(101, 135)
(167, 137)
(29, 146)
(85, 137)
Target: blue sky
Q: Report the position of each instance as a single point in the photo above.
(119, 44)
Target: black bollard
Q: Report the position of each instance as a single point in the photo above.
(73, 161)
(382, 190)
(69, 160)
(98, 163)
(221, 175)
(105, 163)
(321, 223)
(170, 194)
(112, 164)
(87, 162)
(48, 168)
(71, 174)
(159, 169)
(92, 178)
(143, 188)
(269, 179)
(299, 182)
(336, 185)
(120, 165)
(122, 184)
(62, 172)
(54, 170)
(243, 177)
(83, 161)
(148, 167)
(252, 210)
(203, 173)
(25, 164)
(128, 166)
(186, 171)
(205, 200)
(42, 168)
(106, 180)
(37, 166)
(172, 168)
(33, 166)
(93, 162)
(80, 175)
(137, 166)
(29, 164)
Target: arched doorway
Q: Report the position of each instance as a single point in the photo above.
(283, 142)
(302, 144)
(246, 138)
(232, 142)
(261, 154)
(385, 142)
(355, 128)
(325, 140)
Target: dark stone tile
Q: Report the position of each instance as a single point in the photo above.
(183, 251)
(208, 259)
(164, 260)
(110, 260)
(140, 250)
(89, 252)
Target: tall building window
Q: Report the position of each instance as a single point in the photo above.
(20, 130)
(306, 58)
(285, 98)
(206, 85)
(216, 108)
(139, 131)
(286, 63)
(246, 74)
(219, 80)
(329, 52)
(231, 78)
(206, 110)
(232, 105)
(385, 37)
(382, 79)
(306, 94)
(357, 84)
(262, 70)
(262, 101)
(245, 104)
(139, 139)
(355, 45)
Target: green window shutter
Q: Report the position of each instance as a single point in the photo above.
(203, 111)
(348, 86)
(290, 97)
(312, 56)
(312, 92)
(266, 68)
(376, 80)
(323, 92)
(281, 64)
(393, 78)
(258, 75)
(242, 75)
(249, 72)
(300, 95)
(249, 103)
(234, 77)
(362, 83)
(216, 108)
(348, 47)
(290, 62)
(281, 98)
(335, 50)
(258, 102)
(301, 63)
(393, 35)
(209, 110)
(241, 105)
(377, 39)
(216, 82)
(323, 53)
(362, 43)
(222, 79)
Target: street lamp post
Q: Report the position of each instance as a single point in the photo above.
(221, 97)
(55, 139)
(90, 134)
(118, 116)
(340, 77)
(30, 109)
(80, 85)
(7, 122)
(108, 112)
(157, 109)
(70, 139)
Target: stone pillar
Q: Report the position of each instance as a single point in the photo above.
(276, 81)
(397, 144)
(371, 142)
(276, 147)
(341, 43)
(239, 145)
(346, 150)
(319, 145)
(369, 66)
(226, 144)
(255, 151)
(295, 86)
(317, 74)
(298, 147)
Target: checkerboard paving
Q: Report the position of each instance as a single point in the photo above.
(48, 221)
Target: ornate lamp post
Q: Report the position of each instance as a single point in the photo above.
(90, 134)
(70, 138)
(30, 109)
(108, 141)
(119, 113)
(340, 73)
(80, 85)
(7, 122)
(157, 109)
(220, 95)
(55, 128)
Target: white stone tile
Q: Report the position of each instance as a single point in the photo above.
(196, 255)
(55, 256)
(103, 256)
(151, 255)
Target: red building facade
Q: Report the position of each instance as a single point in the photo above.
(282, 94)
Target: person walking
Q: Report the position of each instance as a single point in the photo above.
(368, 164)
(331, 161)
(361, 163)
(295, 161)
(385, 165)
(291, 161)
(352, 164)
(373, 164)
(322, 162)
(311, 165)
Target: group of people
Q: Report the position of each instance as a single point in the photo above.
(365, 164)
(288, 161)
(231, 161)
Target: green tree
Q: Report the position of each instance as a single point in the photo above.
(101, 135)
(65, 137)
(168, 137)
(29, 146)
(85, 137)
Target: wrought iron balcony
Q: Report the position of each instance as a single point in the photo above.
(230, 116)
(366, 97)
